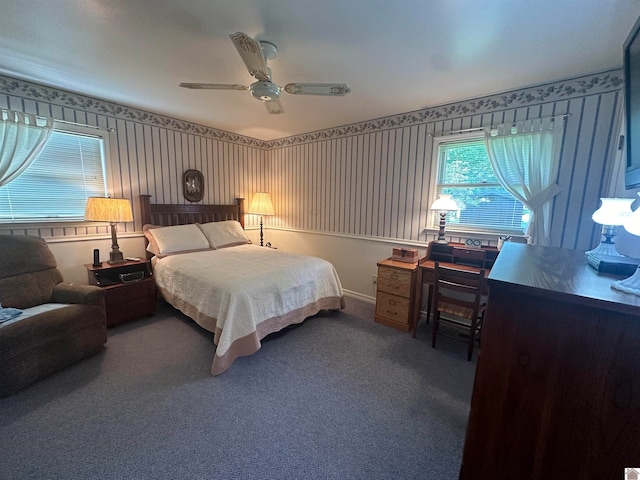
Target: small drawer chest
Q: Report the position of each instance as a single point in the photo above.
(130, 288)
(394, 294)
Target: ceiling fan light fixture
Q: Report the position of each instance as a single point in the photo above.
(269, 50)
(265, 91)
(255, 54)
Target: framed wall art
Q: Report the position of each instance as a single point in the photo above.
(193, 185)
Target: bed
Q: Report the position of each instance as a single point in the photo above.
(205, 266)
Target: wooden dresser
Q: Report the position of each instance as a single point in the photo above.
(557, 387)
(395, 294)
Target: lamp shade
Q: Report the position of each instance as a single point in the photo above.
(111, 210)
(261, 204)
(444, 204)
(613, 211)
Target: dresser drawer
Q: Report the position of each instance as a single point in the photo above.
(393, 307)
(395, 281)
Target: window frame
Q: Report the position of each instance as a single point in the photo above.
(433, 218)
(78, 129)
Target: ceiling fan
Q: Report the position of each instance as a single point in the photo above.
(255, 55)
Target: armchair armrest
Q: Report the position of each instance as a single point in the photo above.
(78, 293)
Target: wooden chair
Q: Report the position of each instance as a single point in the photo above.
(458, 294)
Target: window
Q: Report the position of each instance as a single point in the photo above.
(464, 172)
(55, 187)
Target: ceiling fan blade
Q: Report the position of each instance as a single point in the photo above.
(252, 56)
(331, 89)
(274, 106)
(213, 86)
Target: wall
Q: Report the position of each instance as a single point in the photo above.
(149, 154)
(347, 194)
(372, 179)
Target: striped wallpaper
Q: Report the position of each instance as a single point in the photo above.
(369, 179)
(375, 182)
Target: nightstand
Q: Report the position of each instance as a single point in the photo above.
(395, 294)
(131, 292)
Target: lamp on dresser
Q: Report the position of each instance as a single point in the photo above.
(261, 205)
(443, 205)
(632, 284)
(112, 210)
(612, 213)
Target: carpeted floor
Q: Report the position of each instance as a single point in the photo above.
(337, 397)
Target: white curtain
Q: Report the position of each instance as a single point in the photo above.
(22, 137)
(525, 157)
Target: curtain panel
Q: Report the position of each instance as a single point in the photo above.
(525, 157)
(22, 138)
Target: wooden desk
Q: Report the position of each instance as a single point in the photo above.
(455, 255)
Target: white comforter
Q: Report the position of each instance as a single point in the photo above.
(245, 292)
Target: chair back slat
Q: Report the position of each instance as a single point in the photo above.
(458, 292)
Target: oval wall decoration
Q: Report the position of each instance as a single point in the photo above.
(193, 185)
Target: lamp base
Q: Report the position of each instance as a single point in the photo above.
(441, 238)
(629, 285)
(261, 237)
(115, 256)
(605, 248)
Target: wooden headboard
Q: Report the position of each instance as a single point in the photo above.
(166, 214)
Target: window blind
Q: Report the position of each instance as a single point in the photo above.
(56, 186)
(464, 172)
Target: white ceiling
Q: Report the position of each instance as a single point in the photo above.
(395, 55)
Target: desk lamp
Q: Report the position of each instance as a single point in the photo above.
(442, 206)
(631, 284)
(110, 210)
(611, 214)
(261, 205)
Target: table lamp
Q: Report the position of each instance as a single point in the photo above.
(261, 205)
(632, 284)
(612, 213)
(112, 210)
(442, 206)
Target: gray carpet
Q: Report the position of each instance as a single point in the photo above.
(337, 397)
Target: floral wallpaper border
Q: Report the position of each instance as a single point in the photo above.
(33, 91)
(573, 88)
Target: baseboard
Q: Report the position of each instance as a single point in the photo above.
(359, 296)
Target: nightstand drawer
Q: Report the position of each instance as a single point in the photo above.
(395, 281)
(127, 292)
(393, 307)
(128, 301)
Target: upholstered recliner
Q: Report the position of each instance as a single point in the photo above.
(60, 322)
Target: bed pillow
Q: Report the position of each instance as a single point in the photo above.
(178, 238)
(224, 234)
(153, 246)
